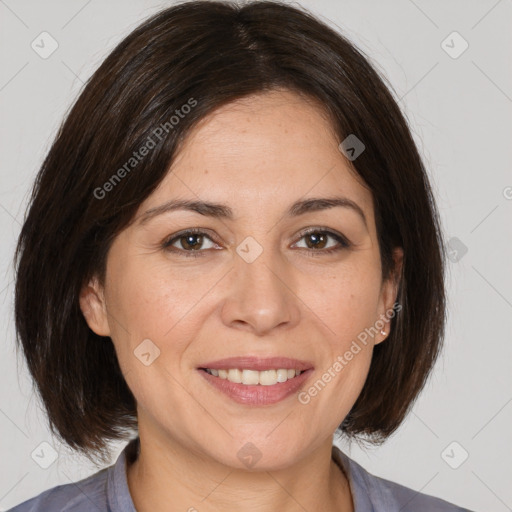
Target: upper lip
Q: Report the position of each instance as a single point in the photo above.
(258, 363)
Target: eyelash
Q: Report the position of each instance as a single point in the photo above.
(344, 243)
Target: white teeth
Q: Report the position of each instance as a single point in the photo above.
(250, 377)
(282, 375)
(254, 377)
(235, 376)
(268, 378)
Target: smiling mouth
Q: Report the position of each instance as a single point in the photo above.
(269, 377)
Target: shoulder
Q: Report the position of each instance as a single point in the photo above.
(410, 500)
(85, 495)
(104, 491)
(377, 494)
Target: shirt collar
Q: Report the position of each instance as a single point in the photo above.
(118, 493)
(365, 493)
(370, 493)
(358, 485)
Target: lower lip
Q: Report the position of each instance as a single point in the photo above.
(257, 395)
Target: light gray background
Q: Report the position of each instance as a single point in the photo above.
(460, 112)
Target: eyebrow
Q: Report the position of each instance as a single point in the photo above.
(222, 211)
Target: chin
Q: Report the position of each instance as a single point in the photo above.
(262, 452)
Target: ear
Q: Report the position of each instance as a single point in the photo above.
(389, 295)
(93, 306)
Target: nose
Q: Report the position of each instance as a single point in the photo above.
(261, 295)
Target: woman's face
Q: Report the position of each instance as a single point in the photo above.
(257, 288)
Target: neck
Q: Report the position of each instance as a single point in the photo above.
(167, 477)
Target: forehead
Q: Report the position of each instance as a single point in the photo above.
(267, 150)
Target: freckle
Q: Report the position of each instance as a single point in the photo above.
(206, 171)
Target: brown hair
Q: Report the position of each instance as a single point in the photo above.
(206, 54)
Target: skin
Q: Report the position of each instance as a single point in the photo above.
(288, 302)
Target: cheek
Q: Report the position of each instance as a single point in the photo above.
(348, 306)
(151, 299)
(159, 321)
(347, 302)
(145, 308)
(334, 390)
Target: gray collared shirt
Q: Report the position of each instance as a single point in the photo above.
(107, 491)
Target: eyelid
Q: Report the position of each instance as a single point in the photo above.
(343, 242)
(323, 229)
(194, 231)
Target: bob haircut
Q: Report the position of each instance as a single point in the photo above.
(206, 54)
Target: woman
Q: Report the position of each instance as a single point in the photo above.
(240, 256)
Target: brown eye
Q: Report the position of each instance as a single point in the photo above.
(189, 243)
(317, 241)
